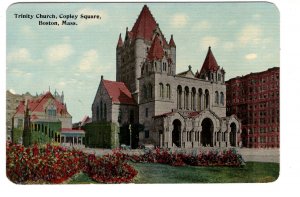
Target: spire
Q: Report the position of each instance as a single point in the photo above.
(120, 41)
(210, 63)
(172, 43)
(145, 26)
(156, 51)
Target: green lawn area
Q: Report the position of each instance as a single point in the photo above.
(252, 172)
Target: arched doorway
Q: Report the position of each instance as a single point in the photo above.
(176, 133)
(207, 132)
(244, 137)
(232, 137)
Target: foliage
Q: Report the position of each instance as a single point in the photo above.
(17, 135)
(101, 135)
(55, 164)
(210, 158)
(110, 168)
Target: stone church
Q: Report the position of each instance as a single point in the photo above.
(185, 110)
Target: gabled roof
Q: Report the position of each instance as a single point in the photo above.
(118, 92)
(156, 51)
(144, 26)
(189, 73)
(120, 41)
(210, 63)
(38, 104)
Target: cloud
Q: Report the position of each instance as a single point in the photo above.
(19, 73)
(209, 41)
(27, 30)
(228, 45)
(82, 22)
(251, 56)
(88, 61)
(59, 52)
(203, 25)
(19, 55)
(179, 20)
(250, 34)
(256, 16)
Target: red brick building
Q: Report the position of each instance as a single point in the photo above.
(254, 98)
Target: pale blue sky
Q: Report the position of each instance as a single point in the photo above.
(244, 38)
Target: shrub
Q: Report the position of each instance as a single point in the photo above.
(55, 164)
(210, 158)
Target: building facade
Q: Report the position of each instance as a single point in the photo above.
(48, 118)
(176, 110)
(254, 98)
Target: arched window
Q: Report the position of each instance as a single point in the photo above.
(206, 100)
(145, 92)
(216, 97)
(193, 99)
(168, 91)
(161, 90)
(186, 98)
(97, 113)
(200, 95)
(105, 112)
(179, 97)
(222, 98)
(101, 110)
(150, 90)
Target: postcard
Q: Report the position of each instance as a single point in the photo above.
(142, 93)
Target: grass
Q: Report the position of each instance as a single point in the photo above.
(252, 172)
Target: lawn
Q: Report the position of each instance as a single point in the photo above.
(252, 172)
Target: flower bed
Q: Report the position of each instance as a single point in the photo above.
(209, 158)
(54, 164)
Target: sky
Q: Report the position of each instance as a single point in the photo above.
(244, 38)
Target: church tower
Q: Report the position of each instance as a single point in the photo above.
(132, 54)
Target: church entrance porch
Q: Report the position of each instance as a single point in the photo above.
(176, 133)
(207, 132)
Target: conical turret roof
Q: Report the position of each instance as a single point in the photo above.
(156, 51)
(144, 26)
(210, 63)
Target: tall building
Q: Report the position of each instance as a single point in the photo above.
(254, 98)
(176, 110)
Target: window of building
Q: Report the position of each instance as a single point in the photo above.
(216, 97)
(146, 112)
(150, 90)
(105, 112)
(145, 92)
(222, 98)
(20, 123)
(168, 91)
(146, 133)
(161, 90)
(51, 111)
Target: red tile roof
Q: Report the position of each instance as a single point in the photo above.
(120, 41)
(210, 63)
(118, 92)
(172, 43)
(145, 26)
(156, 51)
(38, 104)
